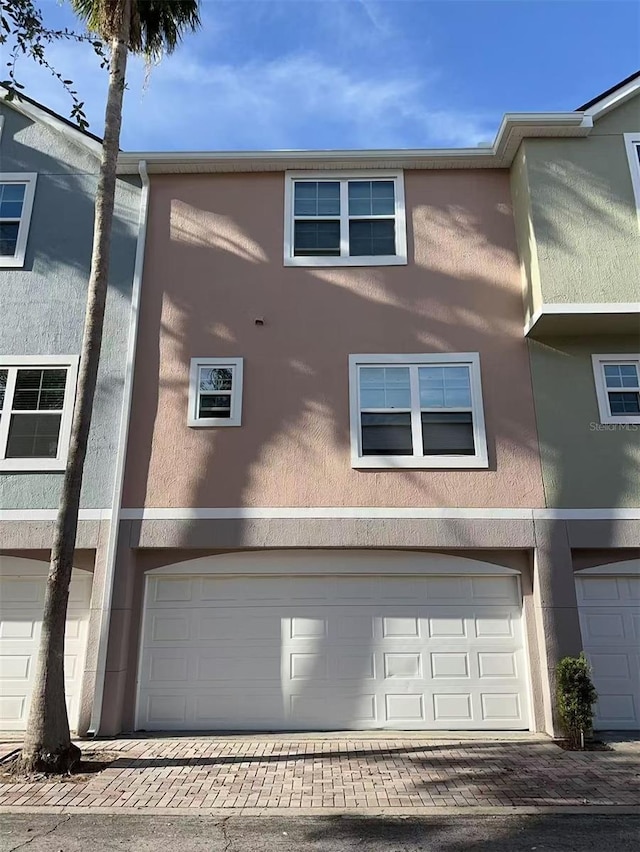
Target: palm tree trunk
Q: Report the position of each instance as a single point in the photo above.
(47, 746)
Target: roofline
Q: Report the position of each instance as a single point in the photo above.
(513, 129)
(611, 91)
(613, 97)
(38, 112)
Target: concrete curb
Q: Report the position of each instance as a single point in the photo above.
(496, 810)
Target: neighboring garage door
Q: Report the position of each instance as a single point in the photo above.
(610, 623)
(332, 652)
(22, 588)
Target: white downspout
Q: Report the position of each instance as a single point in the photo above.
(123, 436)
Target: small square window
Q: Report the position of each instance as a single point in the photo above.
(344, 220)
(421, 411)
(215, 392)
(617, 379)
(16, 203)
(36, 408)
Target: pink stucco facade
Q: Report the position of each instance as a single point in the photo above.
(214, 264)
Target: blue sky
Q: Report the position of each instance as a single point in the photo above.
(356, 73)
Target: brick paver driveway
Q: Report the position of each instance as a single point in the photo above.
(259, 773)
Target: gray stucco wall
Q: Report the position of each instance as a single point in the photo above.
(584, 464)
(43, 304)
(583, 212)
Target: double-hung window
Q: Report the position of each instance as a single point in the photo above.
(344, 220)
(632, 144)
(16, 203)
(617, 379)
(215, 392)
(417, 411)
(36, 407)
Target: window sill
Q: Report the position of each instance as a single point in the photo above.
(209, 422)
(419, 462)
(381, 260)
(32, 465)
(11, 262)
(631, 419)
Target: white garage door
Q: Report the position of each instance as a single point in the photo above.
(333, 652)
(610, 625)
(22, 588)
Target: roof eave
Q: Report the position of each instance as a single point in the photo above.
(514, 128)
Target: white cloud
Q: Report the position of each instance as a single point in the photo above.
(296, 101)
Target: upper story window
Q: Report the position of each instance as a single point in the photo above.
(36, 408)
(333, 219)
(16, 203)
(632, 143)
(417, 411)
(215, 392)
(617, 380)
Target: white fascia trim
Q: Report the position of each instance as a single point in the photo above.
(614, 99)
(44, 117)
(52, 514)
(123, 437)
(375, 512)
(584, 308)
(516, 125)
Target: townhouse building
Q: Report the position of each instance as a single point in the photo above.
(576, 208)
(362, 482)
(48, 177)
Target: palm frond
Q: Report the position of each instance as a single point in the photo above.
(157, 26)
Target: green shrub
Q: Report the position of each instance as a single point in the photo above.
(576, 696)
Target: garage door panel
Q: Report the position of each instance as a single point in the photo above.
(610, 626)
(368, 655)
(22, 600)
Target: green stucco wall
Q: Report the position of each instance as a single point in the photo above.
(583, 213)
(584, 464)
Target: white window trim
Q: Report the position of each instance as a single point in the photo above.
(28, 178)
(71, 362)
(398, 259)
(469, 359)
(632, 144)
(236, 365)
(602, 392)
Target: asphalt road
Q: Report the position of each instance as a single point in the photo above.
(524, 833)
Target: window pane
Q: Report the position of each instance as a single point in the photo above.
(212, 405)
(39, 390)
(316, 198)
(8, 238)
(12, 192)
(621, 375)
(385, 387)
(624, 403)
(3, 386)
(371, 198)
(317, 238)
(612, 376)
(445, 387)
(372, 238)
(447, 434)
(215, 378)
(33, 436)
(386, 434)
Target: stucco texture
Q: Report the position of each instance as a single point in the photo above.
(43, 304)
(585, 464)
(581, 242)
(214, 264)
